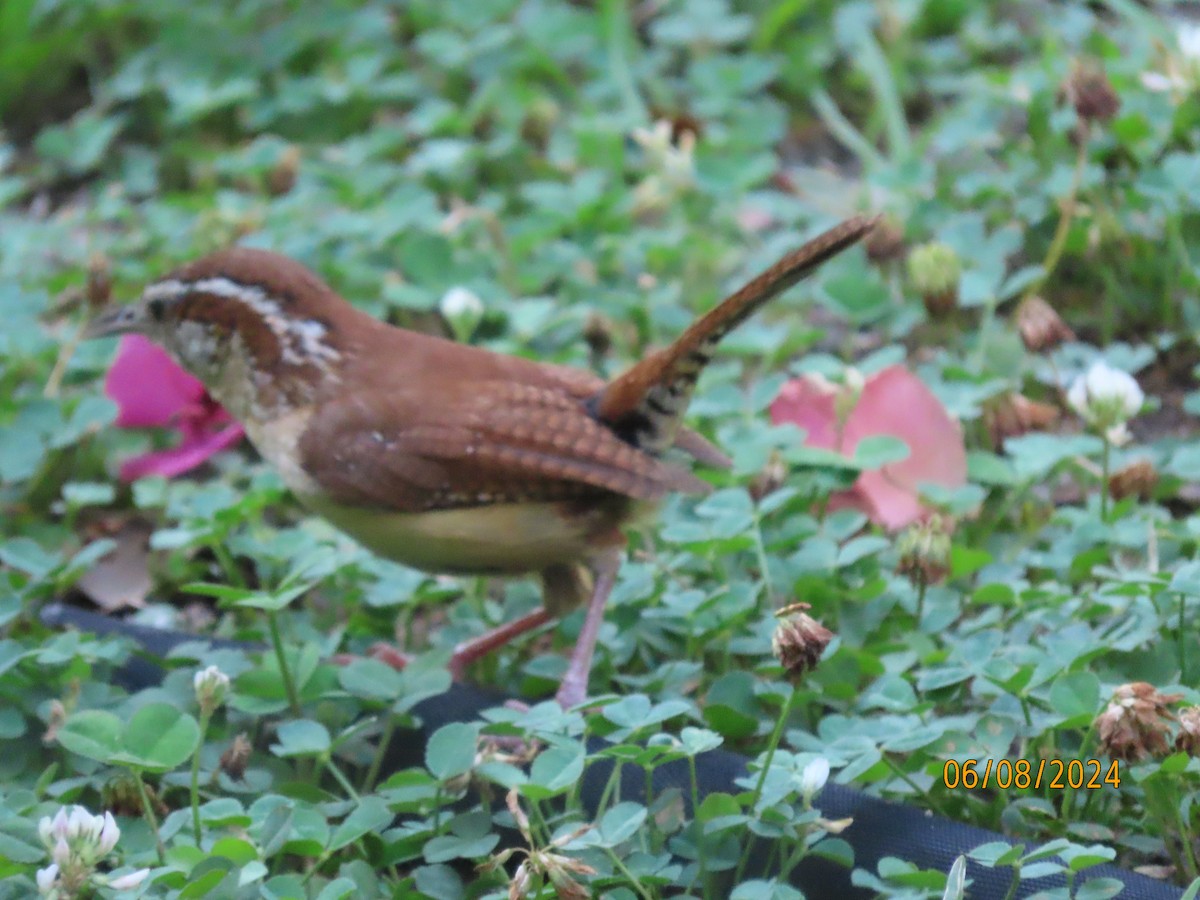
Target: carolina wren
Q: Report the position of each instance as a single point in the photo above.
(441, 456)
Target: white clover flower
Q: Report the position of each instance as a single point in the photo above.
(670, 158)
(211, 686)
(463, 309)
(670, 165)
(1182, 67)
(813, 778)
(76, 841)
(1106, 398)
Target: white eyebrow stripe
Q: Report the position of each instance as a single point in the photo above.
(303, 335)
(171, 289)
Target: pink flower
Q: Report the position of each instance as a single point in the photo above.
(152, 392)
(892, 402)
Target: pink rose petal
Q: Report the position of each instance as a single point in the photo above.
(150, 390)
(809, 404)
(892, 402)
(177, 460)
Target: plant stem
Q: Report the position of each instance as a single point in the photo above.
(148, 812)
(772, 746)
(701, 868)
(618, 43)
(1182, 639)
(385, 738)
(1014, 884)
(284, 672)
(767, 759)
(630, 877)
(1104, 464)
(761, 551)
(228, 563)
(1059, 242)
(1186, 849)
(205, 716)
(341, 778)
(54, 382)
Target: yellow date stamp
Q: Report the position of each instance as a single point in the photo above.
(1031, 774)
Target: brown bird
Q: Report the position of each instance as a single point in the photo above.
(441, 456)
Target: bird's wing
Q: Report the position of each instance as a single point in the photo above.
(584, 385)
(479, 443)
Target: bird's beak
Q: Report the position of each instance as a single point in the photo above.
(114, 320)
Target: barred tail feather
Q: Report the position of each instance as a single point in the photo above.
(645, 404)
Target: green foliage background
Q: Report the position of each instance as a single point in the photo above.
(402, 149)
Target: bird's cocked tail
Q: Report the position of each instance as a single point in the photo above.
(646, 403)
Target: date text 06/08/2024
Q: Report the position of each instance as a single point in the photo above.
(1052, 774)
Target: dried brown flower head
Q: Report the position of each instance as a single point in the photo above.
(885, 243)
(1188, 738)
(99, 281)
(770, 478)
(1091, 93)
(799, 639)
(557, 868)
(54, 721)
(598, 333)
(121, 796)
(236, 757)
(1136, 722)
(282, 177)
(1040, 325)
(1136, 479)
(1012, 415)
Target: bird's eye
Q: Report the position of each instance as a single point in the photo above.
(157, 308)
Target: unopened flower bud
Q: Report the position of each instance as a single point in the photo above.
(925, 551)
(1040, 325)
(128, 881)
(463, 310)
(47, 879)
(522, 880)
(813, 778)
(541, 115)
(885, 243)
(211, 686)
(566, 887)
(935, 271)
(799, 639)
